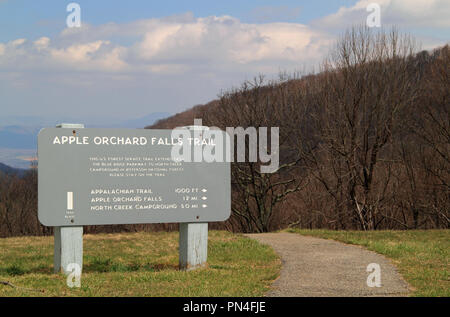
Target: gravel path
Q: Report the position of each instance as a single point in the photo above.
(319, 267)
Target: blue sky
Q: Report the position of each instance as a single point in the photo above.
(130, 59)
(19, 18)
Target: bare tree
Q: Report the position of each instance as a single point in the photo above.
(364, 85)
(429, 155)
(256, 104)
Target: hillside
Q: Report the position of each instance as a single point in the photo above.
(184, 118)
(421, 61)
(11, 170)
(367, 142)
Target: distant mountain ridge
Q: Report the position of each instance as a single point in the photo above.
(11, 170)
(18, 135)
(143, 121)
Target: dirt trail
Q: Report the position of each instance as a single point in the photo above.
(319, 267)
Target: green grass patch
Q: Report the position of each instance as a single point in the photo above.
(140, 264)
(421, 256)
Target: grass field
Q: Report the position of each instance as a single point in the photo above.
(139, 264)
(422, 257)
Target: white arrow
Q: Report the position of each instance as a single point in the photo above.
(204, 198)
(204, 190)
(204, 206)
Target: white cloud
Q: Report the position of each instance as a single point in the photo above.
(171, 45)
(127, 69)
(42, 43)
(219, 40)
(18, 42)
(205, 46)
(77, 53)
(415, 13)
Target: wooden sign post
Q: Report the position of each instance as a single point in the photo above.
(193, 244)
(68, 241)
